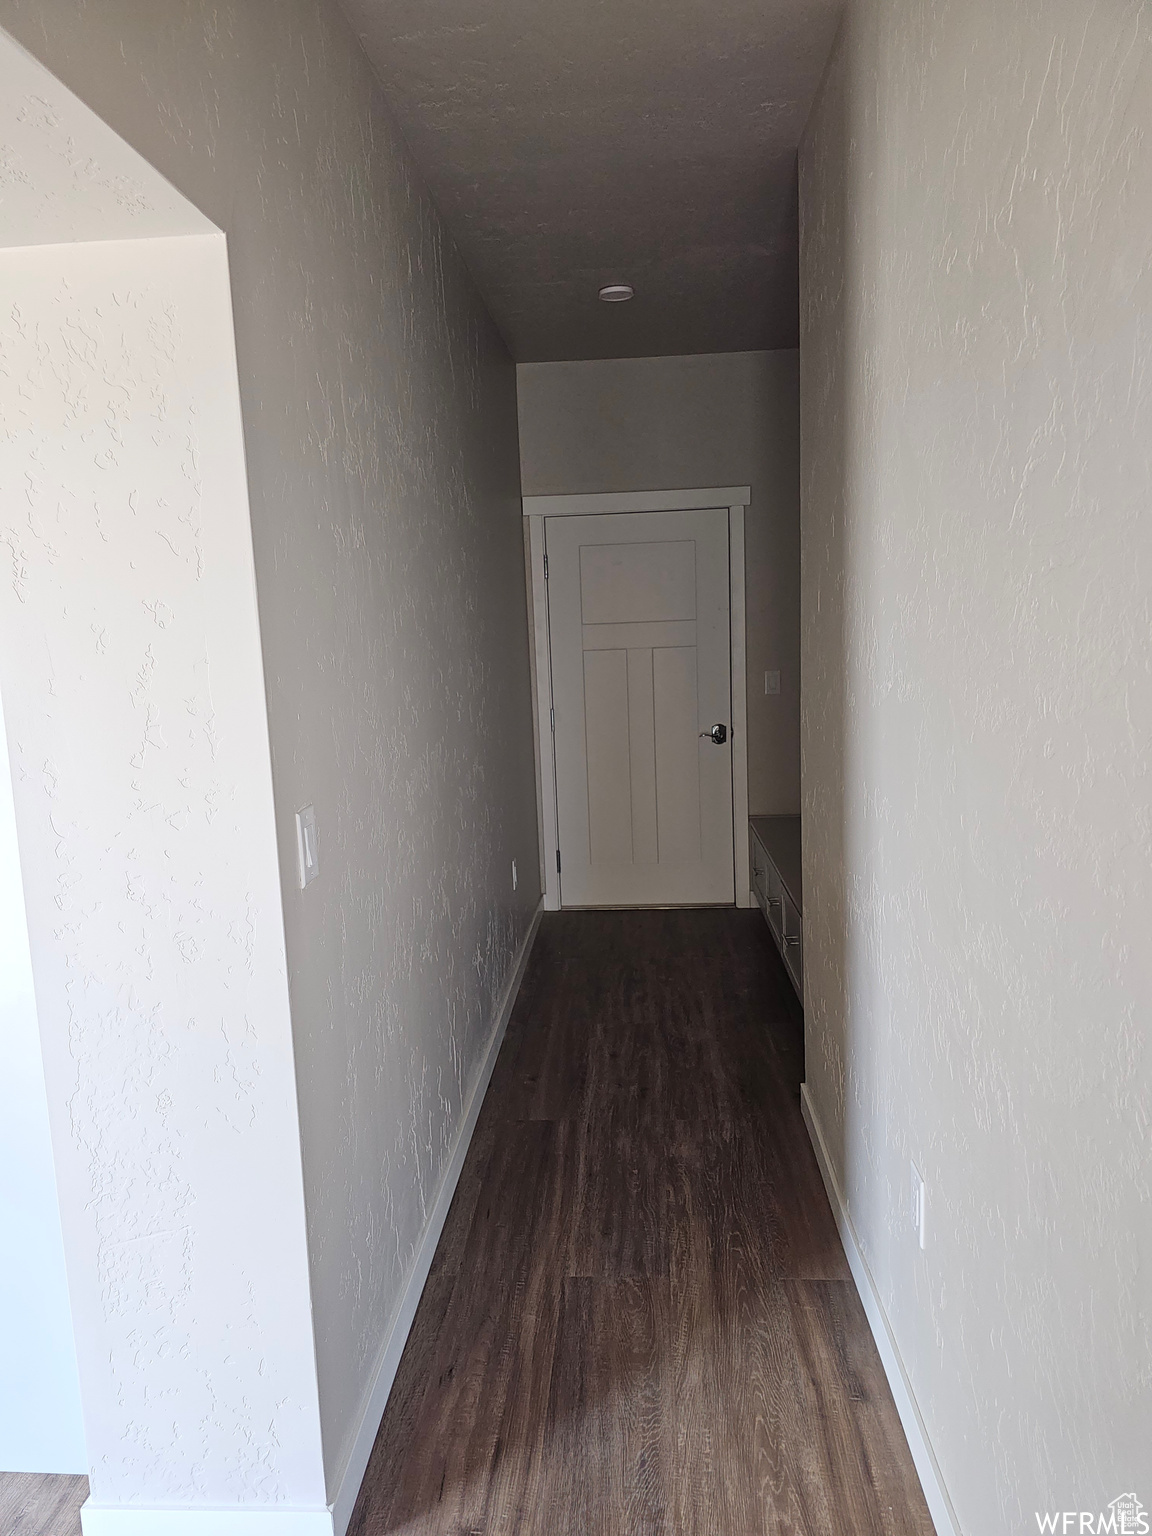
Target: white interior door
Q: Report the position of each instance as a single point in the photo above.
(641, 663)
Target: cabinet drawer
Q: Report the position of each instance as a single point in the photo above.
(774, 847)
(792, 935)
(774, 903)
(759, 871)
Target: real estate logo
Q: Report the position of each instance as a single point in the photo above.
(1125, 1516)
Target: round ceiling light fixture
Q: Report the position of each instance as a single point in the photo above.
(616, 293)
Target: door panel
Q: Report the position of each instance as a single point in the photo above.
(640, 646)
(678, 750)
(606, 738)
(637, 583)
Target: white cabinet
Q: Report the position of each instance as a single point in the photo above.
(777, 885)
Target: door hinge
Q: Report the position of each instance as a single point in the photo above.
(552, 717)
(557, 861)
(545, 567)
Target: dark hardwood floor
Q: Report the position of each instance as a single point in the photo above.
(39, 1504)
(639, 1320)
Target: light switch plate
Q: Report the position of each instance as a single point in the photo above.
(771, 683)
(307, 846)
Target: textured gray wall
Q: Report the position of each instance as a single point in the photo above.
(660, 423)
(976, 207)
(380, 425)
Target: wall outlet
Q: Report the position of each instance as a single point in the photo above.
(307, 846)
(513, 874)
(771, 683)
(919, 1204)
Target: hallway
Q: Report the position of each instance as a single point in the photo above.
(640, 1319)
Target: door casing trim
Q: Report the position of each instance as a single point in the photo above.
(597, 502)
(536, 509)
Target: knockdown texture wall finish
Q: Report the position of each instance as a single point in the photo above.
(41, 1427)
(976, 201)
(130, 666)
(49, 343)
(380, 428)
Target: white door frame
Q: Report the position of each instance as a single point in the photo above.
(536, 509)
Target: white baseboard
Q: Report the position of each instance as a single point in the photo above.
(124, 1520)
(375, 1399)
(927, 1467)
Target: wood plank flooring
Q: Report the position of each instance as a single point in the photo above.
(639, 1321)
(39, 1504)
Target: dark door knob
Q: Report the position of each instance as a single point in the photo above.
(718, 734)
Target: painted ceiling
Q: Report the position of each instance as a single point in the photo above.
(575, 144)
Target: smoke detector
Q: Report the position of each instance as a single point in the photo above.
(616, 293)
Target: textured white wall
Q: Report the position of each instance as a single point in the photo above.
(65, 175)
(133, 698)
(49, 191)
(976, 198)
(41, 1428)
(380, 427)
(659, 423)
